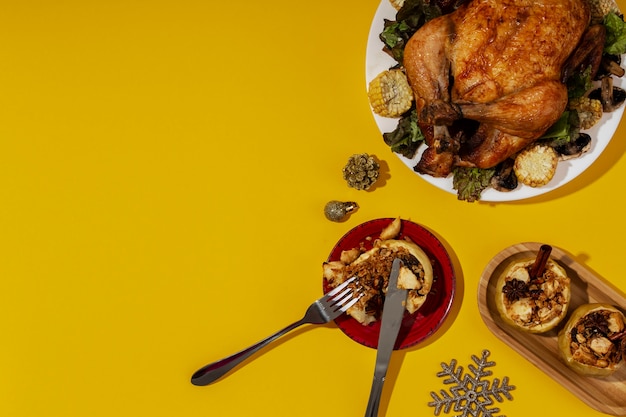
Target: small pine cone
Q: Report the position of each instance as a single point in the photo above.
(361, 171)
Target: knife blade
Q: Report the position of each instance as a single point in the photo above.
(393, 312)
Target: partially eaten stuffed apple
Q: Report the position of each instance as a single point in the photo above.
(372, 269)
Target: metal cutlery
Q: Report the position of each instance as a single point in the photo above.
(321, 311)
(393, 312)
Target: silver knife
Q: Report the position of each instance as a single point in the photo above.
(393, 311)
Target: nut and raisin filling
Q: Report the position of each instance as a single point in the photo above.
(373, 277)
(532, 302)
(599, 339)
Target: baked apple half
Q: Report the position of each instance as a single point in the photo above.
(372, 269)
(593, 342)
(531, 301)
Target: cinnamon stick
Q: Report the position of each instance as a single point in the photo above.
(617, 336)
(538, 268)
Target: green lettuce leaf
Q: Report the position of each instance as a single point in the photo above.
(406, 138)
(471, 182)
(615, 34)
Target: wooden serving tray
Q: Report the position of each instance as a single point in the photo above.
(607, 395)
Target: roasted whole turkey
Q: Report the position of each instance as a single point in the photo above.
(488, 78)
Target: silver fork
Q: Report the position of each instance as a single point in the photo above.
(321, 311)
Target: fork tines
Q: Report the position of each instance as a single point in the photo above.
(342, 297)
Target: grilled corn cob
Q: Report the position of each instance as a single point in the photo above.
(600, 8)
(390, 94)
(589, 111)
(535, 166)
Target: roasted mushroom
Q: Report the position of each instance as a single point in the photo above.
(504, 178)
(574, 148)
(611, 97)
(610, 65)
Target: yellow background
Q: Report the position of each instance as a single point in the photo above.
(163, 171)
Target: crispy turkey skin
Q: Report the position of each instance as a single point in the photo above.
(497, 63)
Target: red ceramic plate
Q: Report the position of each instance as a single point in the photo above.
(420, 325)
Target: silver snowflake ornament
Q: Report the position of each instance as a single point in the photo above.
(472, 395)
